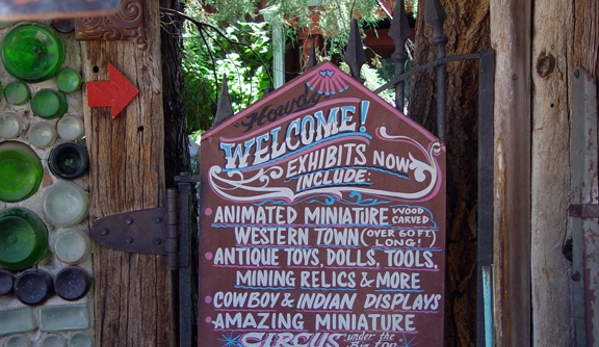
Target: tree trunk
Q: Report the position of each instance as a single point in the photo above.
(467, 27)
(175, 115)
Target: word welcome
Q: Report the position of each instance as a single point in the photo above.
(300, 132)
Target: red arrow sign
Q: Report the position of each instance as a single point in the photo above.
(116, 93)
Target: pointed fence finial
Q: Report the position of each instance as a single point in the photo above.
(225, 108)
(435, 15)
(399, 32)
(312, 58)
(354, 53)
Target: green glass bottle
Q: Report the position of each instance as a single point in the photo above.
(68, 80)
(21, 171)
(32, 52)
(17, 93)
(23, 239)
(49, 103)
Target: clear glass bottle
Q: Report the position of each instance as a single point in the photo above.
(17, 341)
(65, 204)
(21, 171)
(32, 52)
(70, 128)
(33, 287)
(53, 340)
(11, 125)
(41, 134)
(80, 339)
(72, 246)
(17, 93)
(23, 239)
(49, 103)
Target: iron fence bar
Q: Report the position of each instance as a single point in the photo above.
(354, 53)
(399, 33)
(224, 108)
(486, 100)
(186, 273)
(312, 61)
(441, 98)
(423, 67)
(435, 15)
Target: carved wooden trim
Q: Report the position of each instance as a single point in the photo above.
(127, 24)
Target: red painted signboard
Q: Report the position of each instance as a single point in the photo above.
(322, 222)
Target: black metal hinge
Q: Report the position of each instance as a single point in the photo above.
(165, 231)
(151, 231)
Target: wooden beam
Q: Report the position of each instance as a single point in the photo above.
(585, 53)
(133, 293)
(586, 36)
(511, 37)
(551, 51)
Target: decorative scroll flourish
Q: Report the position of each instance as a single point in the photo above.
(127, 24)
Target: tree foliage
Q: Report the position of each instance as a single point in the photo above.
(240, 52)
(230, 38)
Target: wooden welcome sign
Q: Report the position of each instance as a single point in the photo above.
(322, 222)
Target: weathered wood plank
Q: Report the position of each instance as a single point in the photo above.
(133, 293)
(586, 35)
(586, 54)
(551, 271)
(511, 38)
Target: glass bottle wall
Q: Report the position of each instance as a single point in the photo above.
(40, 72)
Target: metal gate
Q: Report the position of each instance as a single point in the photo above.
(180, 227)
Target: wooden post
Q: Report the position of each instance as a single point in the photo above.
(133, 294)
(511, 37)
(551, 271)
(585, 53)
(586, 36)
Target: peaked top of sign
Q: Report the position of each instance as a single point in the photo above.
(324, 82)
(115, 93)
